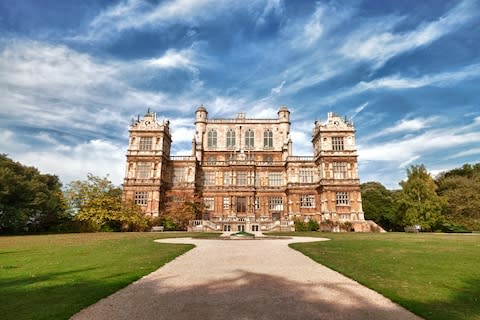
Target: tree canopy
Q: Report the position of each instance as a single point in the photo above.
(380, 205)
(461, 188)
(185, 208)
(29, 201)
(98, 202)
(419, 202)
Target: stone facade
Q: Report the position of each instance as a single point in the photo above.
(245, 172)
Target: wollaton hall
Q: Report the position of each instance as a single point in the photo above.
(244, 171)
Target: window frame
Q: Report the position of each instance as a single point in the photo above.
(249, 139)
(178, 175)
(242, 178)
(306, 175)
(338, 143)
(275, 179)
(230, 139)
(143, 170)
(268, 139)
(342, 198)
(145, 143)
(340, 170)
(241, 204)
(141, 198)
(307, 201)
(209, 178)
(209, 203)
(212, 138)
(275, 203)
(226, 202)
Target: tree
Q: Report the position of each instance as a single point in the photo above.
(418, 201)
(98, 202)
(380, 205)
(29, 201)
(179, 213)
(461, 188)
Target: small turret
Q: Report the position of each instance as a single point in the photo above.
(284, 114)
(201, 117)
(201, 114)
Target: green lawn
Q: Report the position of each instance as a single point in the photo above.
(436, 276)
(55, 276)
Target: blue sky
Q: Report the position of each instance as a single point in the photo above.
(74, 73)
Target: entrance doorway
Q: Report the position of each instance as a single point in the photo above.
(241, 228)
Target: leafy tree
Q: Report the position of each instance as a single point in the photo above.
(380, 205)
(461, 188)
(29, 201)
(418, 201)
(98, 202)
(180, 212)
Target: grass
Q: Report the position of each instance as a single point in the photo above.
(55, 276)
(436, 276)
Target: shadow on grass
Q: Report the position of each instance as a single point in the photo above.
(246, 295)
(15, 283)
(464, 304)
(56, 295)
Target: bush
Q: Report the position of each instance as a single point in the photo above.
(311, 225)
(452, 228)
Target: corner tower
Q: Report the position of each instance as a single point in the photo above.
(335, 155)
(146, 173)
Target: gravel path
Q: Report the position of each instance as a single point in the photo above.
(244, 279)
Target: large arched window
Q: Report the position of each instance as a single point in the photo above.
(212, 138)
(268, 139)
(230, 138)
(249, 139)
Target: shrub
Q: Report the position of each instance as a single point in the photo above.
(311, 225)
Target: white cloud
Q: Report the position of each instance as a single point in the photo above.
(182, 134)
(371, 44)
(302, 144)
(5, 135)
(173, 59)
(98, 157)
(45, 137)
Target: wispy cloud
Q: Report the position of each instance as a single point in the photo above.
(370, 45)
(64, 88)
(140, 14)
(278, 89)
(406, 125)
(429, 142)
(469, 152)
(359, 109)
(442, 79)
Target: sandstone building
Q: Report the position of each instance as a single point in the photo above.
(244, 171)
